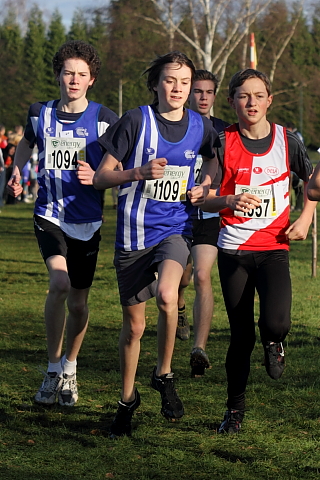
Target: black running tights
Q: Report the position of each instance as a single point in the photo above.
(240, 275)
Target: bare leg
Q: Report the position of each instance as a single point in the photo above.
(77, 321)
(184, 282)
(55, 305)
(170, 273)
(203, 257)
(129, 347)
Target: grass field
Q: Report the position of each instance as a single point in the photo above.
(280, 438)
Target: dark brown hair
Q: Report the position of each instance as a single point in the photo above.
(157, 65)
(240, 77)
(206, 75)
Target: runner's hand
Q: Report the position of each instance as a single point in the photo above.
(244, 202)
(298, 230)
(198, 194)
(153, 169)
(14, 186)
(85, 173)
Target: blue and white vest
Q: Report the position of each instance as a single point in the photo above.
(60, 193)
(144, 222)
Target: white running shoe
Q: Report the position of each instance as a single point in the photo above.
(49, 389)
(68, 393)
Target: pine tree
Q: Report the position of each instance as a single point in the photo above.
(34, 54)
(98, 38)
(56, 36)
(12, 106)
(79, 27)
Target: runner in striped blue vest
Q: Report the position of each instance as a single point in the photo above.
(157, 146)
(68, 210)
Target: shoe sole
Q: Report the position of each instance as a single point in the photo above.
(65, 403)
(45, 403)
(170, 418)
(198, 365)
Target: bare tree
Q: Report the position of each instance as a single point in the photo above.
(217, 26)
(287, 35)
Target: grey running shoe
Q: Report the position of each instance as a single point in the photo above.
(49, 389)
(68, 394)
(121, 424)
(274, 359)
(172, 408)
(231, 422)
(183, 328)
(199, 361)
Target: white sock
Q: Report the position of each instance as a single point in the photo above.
(69, 367)
(55, 367)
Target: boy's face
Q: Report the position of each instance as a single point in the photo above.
(75, 79)
(173, 87)
(202, 97)
(251, 101)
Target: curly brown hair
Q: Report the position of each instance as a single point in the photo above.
(77, 49)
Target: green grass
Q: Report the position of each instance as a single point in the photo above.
(280, 438)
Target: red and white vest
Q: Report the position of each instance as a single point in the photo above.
(244, 168)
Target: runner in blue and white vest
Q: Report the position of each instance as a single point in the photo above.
(68, 209)
(157, 146)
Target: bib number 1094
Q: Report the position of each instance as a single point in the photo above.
(63, 154)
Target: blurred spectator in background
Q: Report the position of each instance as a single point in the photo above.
(8, 157)
(3, 138)
(2, 179)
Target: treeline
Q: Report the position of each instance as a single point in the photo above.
(128, 34)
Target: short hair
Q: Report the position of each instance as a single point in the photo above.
(240, 77)
(77, 49)
(157, 65)
(206, 75)
(290, 125)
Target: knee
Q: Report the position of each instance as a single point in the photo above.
(60, 286)
(167, 300)
(132, 329)
(77, 307)
(202, 277)
(242, 344)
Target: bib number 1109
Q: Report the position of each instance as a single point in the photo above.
(171, 188)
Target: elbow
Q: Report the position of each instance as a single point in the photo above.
(313, 194)
(97, 182)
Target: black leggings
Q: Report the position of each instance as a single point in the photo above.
(240, 275)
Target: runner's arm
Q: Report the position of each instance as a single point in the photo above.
(314, 185)
(107, 177)
(244, 202)
(198, 194)
(299, 229)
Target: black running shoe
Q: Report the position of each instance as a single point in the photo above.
(183, 328)
(231, 422)
(274, 359)
(172, 407)
(121, 424)
(199, 361)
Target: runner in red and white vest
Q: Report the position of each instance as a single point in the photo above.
(252, 196)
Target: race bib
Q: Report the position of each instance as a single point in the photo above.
(171, 188)
(63, 153)
(268, 195)
(197, 170)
